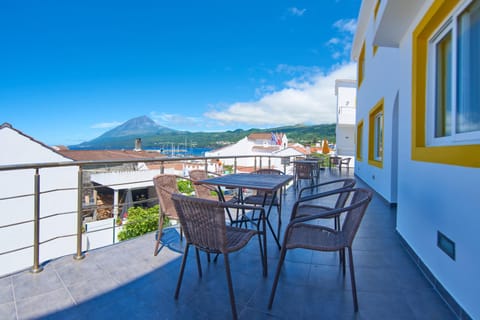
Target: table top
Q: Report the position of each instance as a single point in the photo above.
(264, 182)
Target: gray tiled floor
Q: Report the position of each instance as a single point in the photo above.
(127, 281)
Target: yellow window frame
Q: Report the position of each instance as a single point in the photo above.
(461, 155)
(377, 109)
(359, 145)
(375, 10)
(361, 65)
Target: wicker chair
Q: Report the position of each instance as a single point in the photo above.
(165, 186)
(204, 226)
(309, 205)
(259, 199)
(302, 232)
(304, 171)
(208, 192)
(202, 190)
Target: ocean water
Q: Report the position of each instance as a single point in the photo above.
(189, 152)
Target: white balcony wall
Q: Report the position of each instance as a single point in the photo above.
(57, 207)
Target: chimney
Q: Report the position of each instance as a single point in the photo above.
(138, 144)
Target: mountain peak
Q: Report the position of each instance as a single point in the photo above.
(138, 126)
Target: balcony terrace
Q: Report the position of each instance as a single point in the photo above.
(125, 280)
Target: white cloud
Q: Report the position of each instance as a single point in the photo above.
(346, 25)
(106, 125)
(341, 44)
(296, 12)
(310, 101)
(174, 120)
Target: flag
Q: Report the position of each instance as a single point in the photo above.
(274, 138)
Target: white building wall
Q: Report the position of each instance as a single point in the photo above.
(19, 149)
(432, 197)
(346, 92)
(244, 147)
(378, 84)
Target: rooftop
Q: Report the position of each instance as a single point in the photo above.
(126, 281)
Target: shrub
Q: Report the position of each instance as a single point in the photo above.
(140, 221)
(185, 186)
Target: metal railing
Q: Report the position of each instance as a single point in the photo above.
(84, 185)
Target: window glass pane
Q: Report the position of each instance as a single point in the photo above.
(468, 91)
(443, 90)
(378, 136)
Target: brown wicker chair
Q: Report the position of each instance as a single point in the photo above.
(259, 199)
(209, 192)
(301, 232)
(165, 186)
(303, 171)
(204, 226)
(308, 205)
(202, 190)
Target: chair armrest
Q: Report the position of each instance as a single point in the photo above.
(321, 185)
(232, 205)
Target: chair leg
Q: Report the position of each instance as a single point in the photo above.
(230, 286)
(182, 269)
(352, 277)
(277, 275)
(199, 265)
(159, 233)
(262, 256)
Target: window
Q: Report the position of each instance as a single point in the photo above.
(453, 79)
(375, 135)
(359, 145)
(468, 70)
(361, 65)
(446, 84)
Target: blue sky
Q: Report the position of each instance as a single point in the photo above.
(71, 70)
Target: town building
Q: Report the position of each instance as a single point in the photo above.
(57, 202)
(345, 91)
(261, 144)
(418, 132)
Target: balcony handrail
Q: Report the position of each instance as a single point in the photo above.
(83, 206)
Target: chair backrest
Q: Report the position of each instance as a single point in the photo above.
(360, 198)
(342, 197)
(203, 222)
(303, 170)
(201, 191)
(165, 186)
(268, 171)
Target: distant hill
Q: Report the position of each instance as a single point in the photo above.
(159, 137)
(124, 135)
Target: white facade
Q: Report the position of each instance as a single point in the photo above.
(346, 92)
(435, 187)
(57, 208)
(262, 145)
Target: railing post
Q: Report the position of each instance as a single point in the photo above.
(206, 165)
(162, 168)
(36, 224)
(255, 163)
(261, 162)
(79, 255)
(269, 162)
(235, 165)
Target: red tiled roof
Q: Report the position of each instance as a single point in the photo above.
(87, 155)
(264, 136)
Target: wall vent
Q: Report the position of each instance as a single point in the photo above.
(446, 244)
